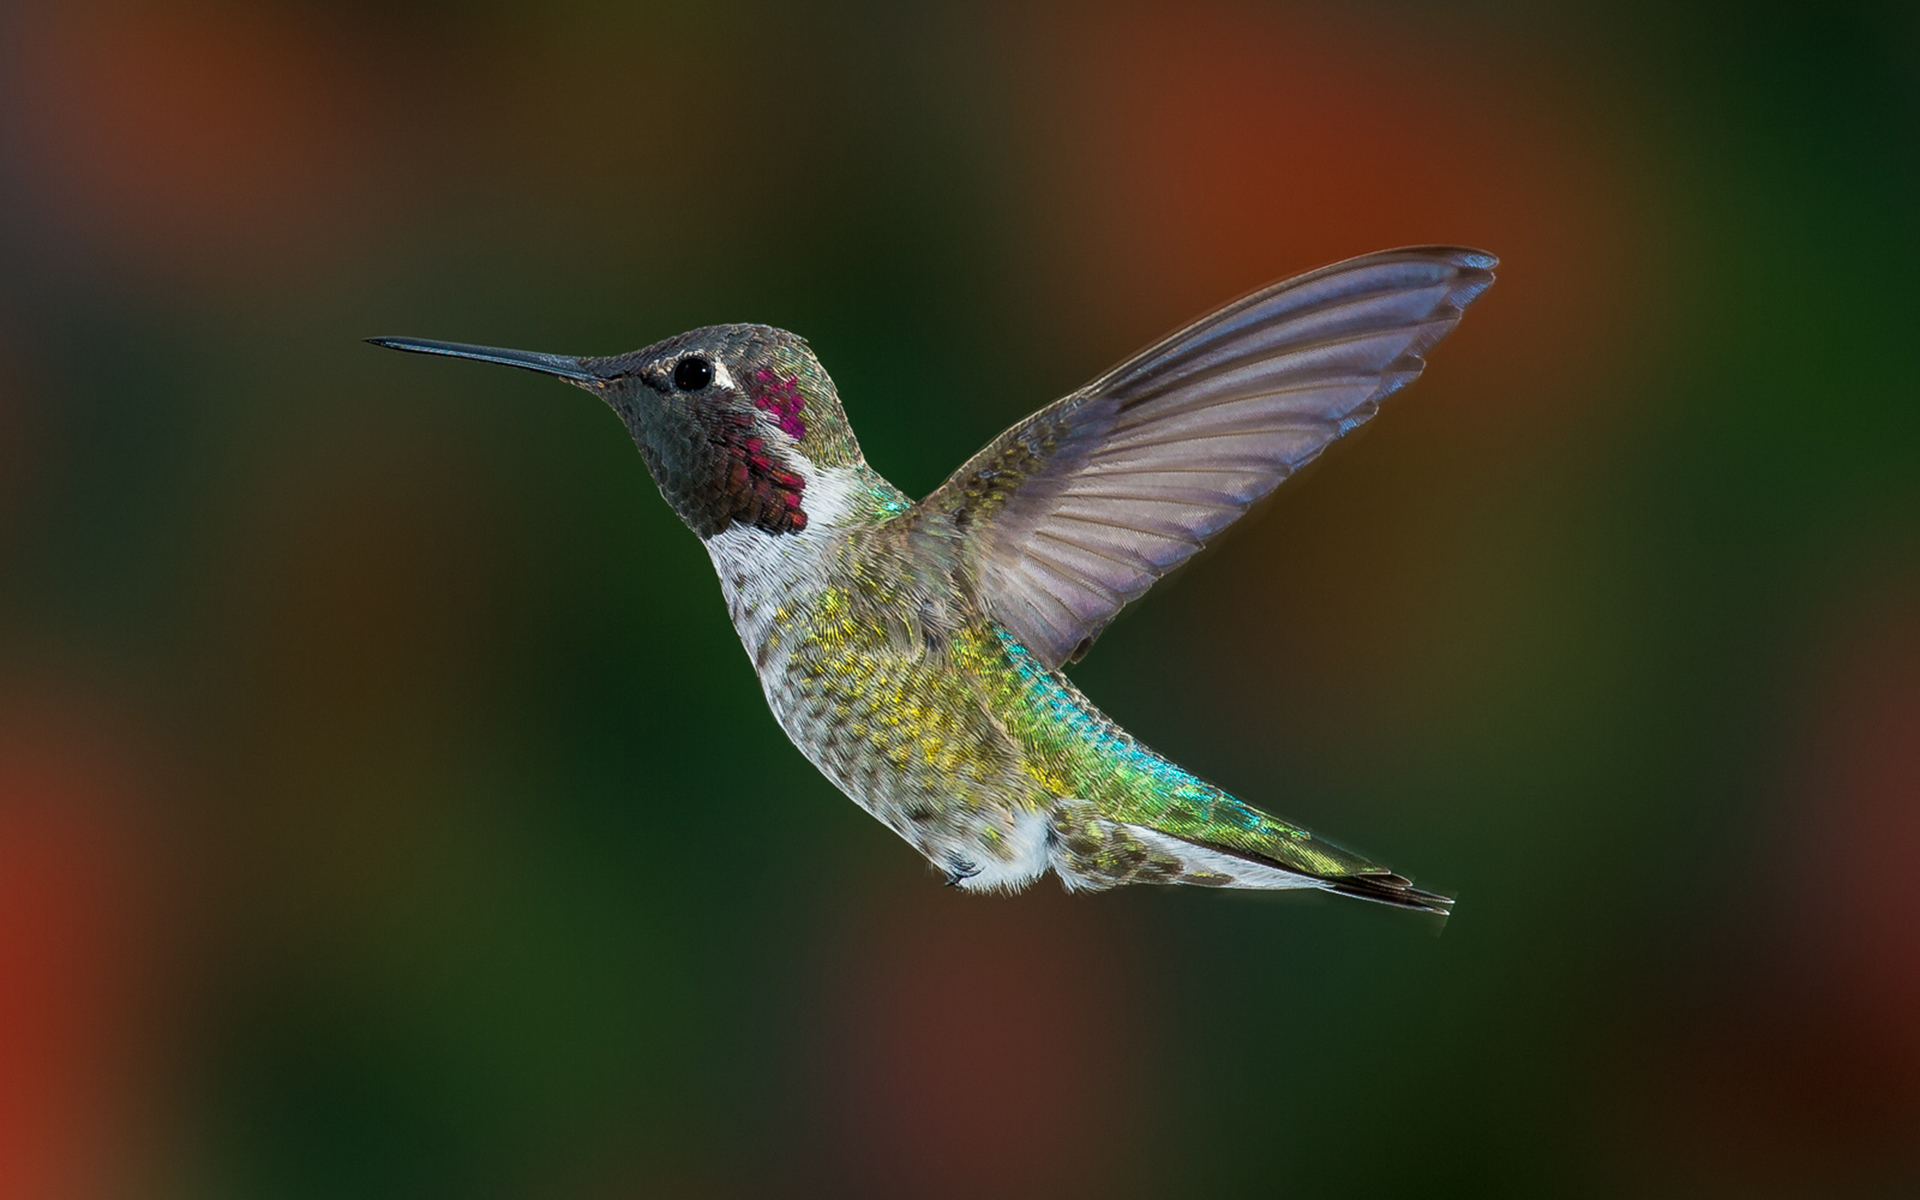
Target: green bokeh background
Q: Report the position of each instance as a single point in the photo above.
(387, 808)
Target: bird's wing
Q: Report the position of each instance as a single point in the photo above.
(1075, 511)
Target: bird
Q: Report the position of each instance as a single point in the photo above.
(914, 651)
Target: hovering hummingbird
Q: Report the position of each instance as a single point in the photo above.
(913, 651)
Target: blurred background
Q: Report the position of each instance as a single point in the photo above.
(386, 805)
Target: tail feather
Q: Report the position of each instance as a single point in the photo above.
(1303, 862)
(1264, 841)
(1396, 890)
(1342, 872)
(1091, 851)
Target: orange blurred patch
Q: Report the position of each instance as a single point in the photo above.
(195, 137)
(1202, 150)
(77, 919)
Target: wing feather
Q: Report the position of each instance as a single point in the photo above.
(1073, 513)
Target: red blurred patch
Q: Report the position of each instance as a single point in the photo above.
(1796, 1061)
(1201, 150)
(1852, 874)
(983, 1049)
(76, 978)
(189, 137)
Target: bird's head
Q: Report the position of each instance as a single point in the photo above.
(734, 421)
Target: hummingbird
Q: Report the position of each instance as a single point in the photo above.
(914, 650)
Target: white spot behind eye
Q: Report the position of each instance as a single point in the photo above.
(721, 376)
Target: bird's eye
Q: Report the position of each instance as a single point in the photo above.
(692, 374)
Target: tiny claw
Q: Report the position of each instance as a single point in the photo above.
(960, 872)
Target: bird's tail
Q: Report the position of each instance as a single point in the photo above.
(1233, 846)
(1389, 888)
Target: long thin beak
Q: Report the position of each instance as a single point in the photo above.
(547, 364)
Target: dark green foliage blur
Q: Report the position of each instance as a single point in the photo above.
(387, 808)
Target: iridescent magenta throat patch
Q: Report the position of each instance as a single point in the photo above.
(750, 489)
(779, 396)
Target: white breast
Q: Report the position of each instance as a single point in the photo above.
(760, 571)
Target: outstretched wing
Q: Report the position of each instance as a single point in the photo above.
(1075, 511)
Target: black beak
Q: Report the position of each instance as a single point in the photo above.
(573, 370)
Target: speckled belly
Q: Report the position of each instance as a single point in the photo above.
(893, 718)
